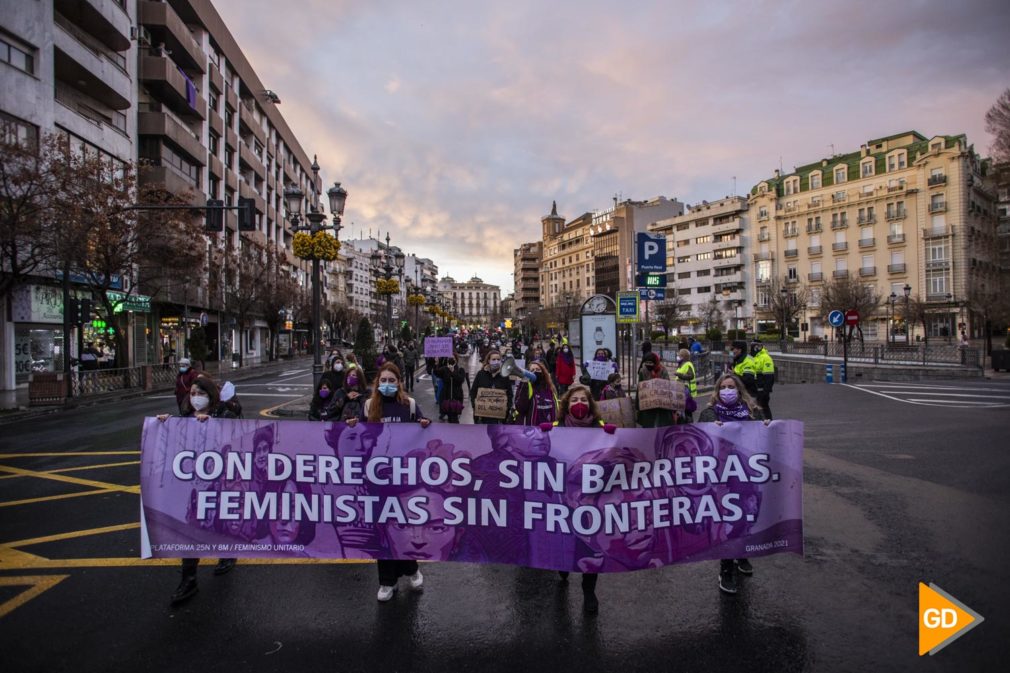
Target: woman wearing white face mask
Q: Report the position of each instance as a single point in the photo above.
(390, 404)
(490, 377)
(731, 403)
(202, 403)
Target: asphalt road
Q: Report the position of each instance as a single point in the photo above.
(896, 492)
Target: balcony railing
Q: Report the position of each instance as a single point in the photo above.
(937, 206)
(894, 239)
(839, 224)
(866, 219)
(815, 276)
(866, 195)
(838, 198)
(840, 273)
(814, 250)
(895, 268)
(867, 242)
(762, 256)
(896, 214)
(896, 188)
(936, 232)
(867, 271)
(935, 180)
(814, 228)
(792, 252)
(790, 233)
(838, 247)
(764, 237)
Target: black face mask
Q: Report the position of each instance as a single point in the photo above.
(540, 377)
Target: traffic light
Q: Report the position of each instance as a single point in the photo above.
(86, 306)
(246, 214)
(73, 309)
(215, 216)
(289, 325)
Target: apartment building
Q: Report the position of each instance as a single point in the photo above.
(566, 273)
(420, 272)
(903, 210)
(527, 260)
(474, 302)
(66, 68)
(707, 250)
(359, 280)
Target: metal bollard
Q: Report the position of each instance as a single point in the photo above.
(829, 373)
(845, 378)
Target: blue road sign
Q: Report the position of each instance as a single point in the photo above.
(651, 252)
(836, 318)
(652, 294)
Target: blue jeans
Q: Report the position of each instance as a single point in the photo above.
(439, 384)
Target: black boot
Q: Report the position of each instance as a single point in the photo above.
(224, 566)
(727, 576)
(187, 589)
(564, 577)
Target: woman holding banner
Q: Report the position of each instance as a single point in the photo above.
(390, 404)
(489, 378)
(730, 403)
(203, 401)
(578, 410)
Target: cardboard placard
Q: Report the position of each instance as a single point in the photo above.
(661, 394)
(438, 347)
(599, 371)
(491, 403)
(619, 411)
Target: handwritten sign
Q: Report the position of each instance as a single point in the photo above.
(661, 394)
(599, 371)
(491, 403)
(438, 347)
(619, 411)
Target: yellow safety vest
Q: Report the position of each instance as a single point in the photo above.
(692, 383)
(745, 367)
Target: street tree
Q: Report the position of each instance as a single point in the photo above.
(672, 313)
(279, 293)
(250, 281)
(364, 346)
(915, 311)
(710, 316)
(997, 124)
(844, 294)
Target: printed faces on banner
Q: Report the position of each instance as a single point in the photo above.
(619, 412)
(491, 403)
(661, 394)
(438, 347)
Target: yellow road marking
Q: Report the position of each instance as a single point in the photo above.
(75, 469)
(47, 498)
(70, 480)
(38, 583)
(69, 453)
(70, 535)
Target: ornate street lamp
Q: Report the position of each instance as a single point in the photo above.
(891, 323)
(293, 197)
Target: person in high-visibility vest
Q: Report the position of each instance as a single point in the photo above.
(765, 375)
(686, 373)
(743, 366)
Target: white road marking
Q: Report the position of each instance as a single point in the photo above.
(928, 402)
(915, 386)
(285, 376)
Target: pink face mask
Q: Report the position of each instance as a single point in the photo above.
(579, 410)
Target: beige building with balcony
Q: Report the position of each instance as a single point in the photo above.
(527, 260)
(903, 210)
(707, 250)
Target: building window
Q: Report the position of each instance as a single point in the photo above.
(14, 131)
(212, 142)
(683, 274)
(702, 256)
(703, 239)
(704, 289)
(815, 181)
(840, 175)
(866, 169)
(16, 54)
(764, 271)
(791, 273)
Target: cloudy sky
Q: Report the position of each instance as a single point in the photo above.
(453, 125)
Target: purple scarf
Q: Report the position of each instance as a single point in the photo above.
(737, 412)
(572, 422)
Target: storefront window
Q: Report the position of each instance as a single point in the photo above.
(37, 350)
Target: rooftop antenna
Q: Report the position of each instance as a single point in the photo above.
(781, 170)
(832, 146)
(734, 185)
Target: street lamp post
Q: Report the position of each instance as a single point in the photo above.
(785, 299)
(391, 263)
(908, 323)
(293, 197)
(890, 324)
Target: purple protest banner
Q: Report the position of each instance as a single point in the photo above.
(438, 347)
(570, 499)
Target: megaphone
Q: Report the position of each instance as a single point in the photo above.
(510, 368)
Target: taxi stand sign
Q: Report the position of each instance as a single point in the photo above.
(627, 307)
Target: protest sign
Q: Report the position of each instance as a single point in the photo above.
(491, 403)
(599, 371)
(661, 394)
(572, 499)
(619, 411)
(438, 347)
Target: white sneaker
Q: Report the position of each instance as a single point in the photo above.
(385, 593)
(417, 581)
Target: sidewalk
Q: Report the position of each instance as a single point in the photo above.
(10, 413)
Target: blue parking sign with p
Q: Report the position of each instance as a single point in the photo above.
(651, 252)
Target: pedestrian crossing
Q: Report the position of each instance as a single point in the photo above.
(963, 396)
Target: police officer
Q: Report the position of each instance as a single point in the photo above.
(686, 373)
(765, 371)
(744, 367)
